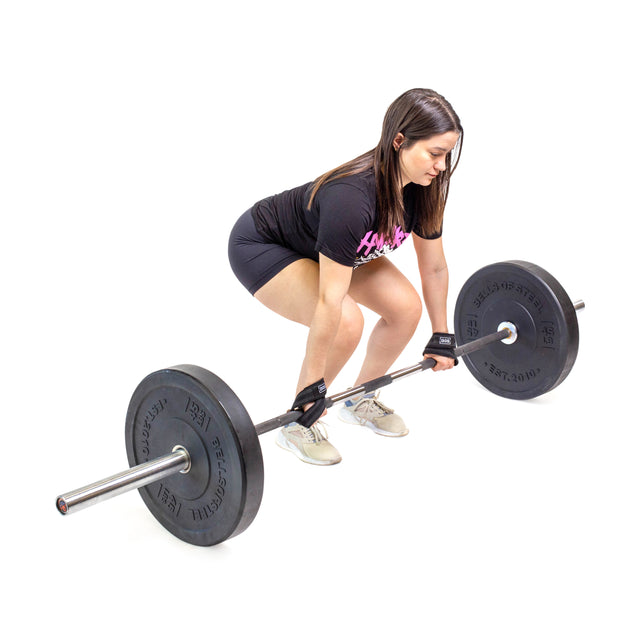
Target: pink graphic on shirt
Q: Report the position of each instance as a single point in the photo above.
(380, 243)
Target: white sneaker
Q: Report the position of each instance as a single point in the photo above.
(369, 412)
(310, 444)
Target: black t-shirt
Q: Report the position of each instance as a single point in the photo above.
(342, 222)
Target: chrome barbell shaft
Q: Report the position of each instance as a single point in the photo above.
(178, 461)
(382, 381)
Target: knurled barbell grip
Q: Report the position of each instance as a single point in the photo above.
(382, 381)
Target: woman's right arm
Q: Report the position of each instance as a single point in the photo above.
(333, 287)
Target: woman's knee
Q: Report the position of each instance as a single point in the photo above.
(406, 310)
(380, 286)
(351, 324)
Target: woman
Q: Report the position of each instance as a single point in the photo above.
(316, 252)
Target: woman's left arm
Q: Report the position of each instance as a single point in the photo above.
(434, 275)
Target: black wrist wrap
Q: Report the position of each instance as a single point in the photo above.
(315, 393)
(442, 344)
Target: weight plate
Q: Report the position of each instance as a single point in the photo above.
(534, 301)
(220, 495)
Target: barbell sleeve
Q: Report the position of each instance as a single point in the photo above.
(133, 478)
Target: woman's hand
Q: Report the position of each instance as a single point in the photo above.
(442, 363)
(309, 405)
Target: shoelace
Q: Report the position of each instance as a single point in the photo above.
(373, 407)
(313, 433)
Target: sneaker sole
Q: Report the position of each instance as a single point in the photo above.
(283, 443)
(350, 418)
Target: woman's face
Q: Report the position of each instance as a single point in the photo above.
(425, 159)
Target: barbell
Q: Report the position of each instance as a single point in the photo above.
(194, 451)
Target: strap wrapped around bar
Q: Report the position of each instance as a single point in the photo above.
(315, 393)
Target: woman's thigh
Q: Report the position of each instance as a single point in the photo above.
(293, 293)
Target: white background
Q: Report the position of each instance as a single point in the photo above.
(132, 135)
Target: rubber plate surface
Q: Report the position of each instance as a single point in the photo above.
(220, 495)
(533, 300)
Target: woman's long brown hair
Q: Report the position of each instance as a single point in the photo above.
(417, 114)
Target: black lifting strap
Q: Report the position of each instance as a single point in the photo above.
(315, 393)
(442, 344)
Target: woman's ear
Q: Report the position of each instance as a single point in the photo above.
(397, 141)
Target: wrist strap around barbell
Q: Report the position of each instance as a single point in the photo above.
(315, 393)
(442, 344)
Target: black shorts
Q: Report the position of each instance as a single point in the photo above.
(254, 259)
